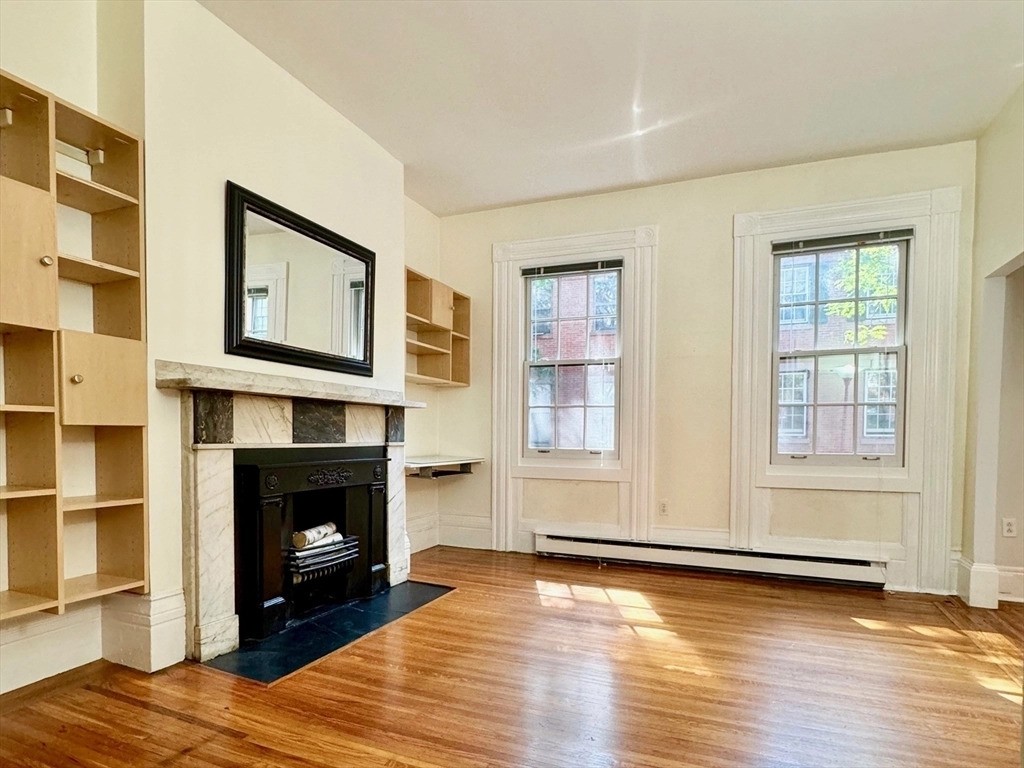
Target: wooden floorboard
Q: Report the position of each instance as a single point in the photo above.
(536, 662)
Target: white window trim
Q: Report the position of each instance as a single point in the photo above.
(274, 277)
(632, 469)
(931, 367)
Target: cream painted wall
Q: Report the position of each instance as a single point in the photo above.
(694, 322)
(218, 109)
(570, 501)
(849, 515)
(999, 238)
(422, 253)
(119, 63)
(52, 44)
(1010, 490)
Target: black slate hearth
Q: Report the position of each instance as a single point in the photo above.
(305, 642)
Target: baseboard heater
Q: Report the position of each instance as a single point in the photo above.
(798, 566)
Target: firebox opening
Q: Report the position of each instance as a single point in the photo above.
(310, 532)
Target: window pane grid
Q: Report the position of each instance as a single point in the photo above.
(572, 361)
(849, 405)
(570, 409)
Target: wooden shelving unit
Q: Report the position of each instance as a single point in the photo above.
(437, 321)
(56, 380)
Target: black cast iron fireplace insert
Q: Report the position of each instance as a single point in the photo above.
(279, 491)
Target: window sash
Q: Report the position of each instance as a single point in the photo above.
(554, 406)
(597, 322)
(860, 405)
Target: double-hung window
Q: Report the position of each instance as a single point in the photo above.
(573, 360)
(839, 350)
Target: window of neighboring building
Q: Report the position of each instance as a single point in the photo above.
(796, 292)
(793, 403)
(573, 359)
(839, 350)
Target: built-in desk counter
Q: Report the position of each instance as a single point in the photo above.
(430, 467)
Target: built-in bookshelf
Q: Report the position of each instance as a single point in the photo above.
(73, 497)
(437, 321)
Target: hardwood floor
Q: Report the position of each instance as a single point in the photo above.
(537, 662)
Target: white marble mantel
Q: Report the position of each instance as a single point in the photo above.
(173, 375)
(261, 405)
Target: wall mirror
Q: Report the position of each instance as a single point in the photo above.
(296, 292)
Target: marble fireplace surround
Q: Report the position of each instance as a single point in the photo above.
(224, 409)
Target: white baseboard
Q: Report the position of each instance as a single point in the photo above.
(872, 574)
(144, 632)
(41, 645)
(978, 584)
(461, 536)
(424, 538)
(1011, 584)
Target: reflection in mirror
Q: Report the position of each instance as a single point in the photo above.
(301, 292)
(296, 292)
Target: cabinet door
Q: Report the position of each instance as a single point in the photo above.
(102, 380)
(441, 304)
(28, 256)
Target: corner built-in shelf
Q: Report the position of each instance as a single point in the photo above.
(90, 271)
(89, 196)
(437, 332)
(96, 585)
(14, 603)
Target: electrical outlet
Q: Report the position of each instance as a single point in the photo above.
(1009, 527)
(663, 509)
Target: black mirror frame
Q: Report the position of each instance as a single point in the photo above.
(238, 201)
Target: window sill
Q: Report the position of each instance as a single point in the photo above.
(884, 479)
(568, 469)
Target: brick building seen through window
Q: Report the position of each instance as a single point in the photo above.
(573, 361)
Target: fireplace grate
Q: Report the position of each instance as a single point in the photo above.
(315, 561)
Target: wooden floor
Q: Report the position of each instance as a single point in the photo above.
(535, 662)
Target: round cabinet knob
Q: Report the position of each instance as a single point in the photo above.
(77, 378)
(46, 261)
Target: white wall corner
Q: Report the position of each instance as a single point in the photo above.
(978, 584)
(145, 632)
(1011, 584)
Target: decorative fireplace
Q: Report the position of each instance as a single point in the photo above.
(281, 574)
(225, 412)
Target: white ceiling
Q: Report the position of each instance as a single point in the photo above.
(492, 103)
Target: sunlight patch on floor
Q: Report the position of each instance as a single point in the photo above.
(630, 604)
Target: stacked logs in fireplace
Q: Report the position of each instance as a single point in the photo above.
(319, 552)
